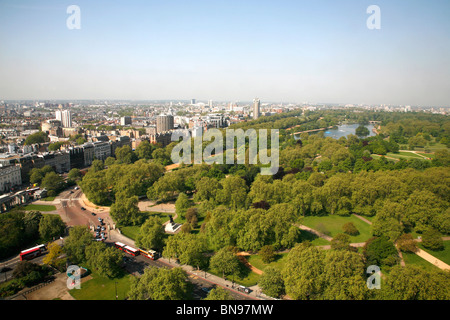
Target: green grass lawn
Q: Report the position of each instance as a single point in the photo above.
(280, 260)
(332, 225)
(404, 155)
(244, 277)
(415, 260)
(39, 207)
(102, 288)
(48, 199)
(443, 255)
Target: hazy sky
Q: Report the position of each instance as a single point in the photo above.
(278, 50)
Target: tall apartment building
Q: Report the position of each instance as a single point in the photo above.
(164, 123)
(65, 117)
(256, 108)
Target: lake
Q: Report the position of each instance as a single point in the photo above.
(346, 129)
(343, 131)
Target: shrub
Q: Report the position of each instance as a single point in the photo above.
(350, 229)
(267, 254)
(406, 243)
(432, 240)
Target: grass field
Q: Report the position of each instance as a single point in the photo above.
(415, 260)
(404, 155)
(443, 255)
(244, 276)
(102, 288)
(48, 199)
(280, 260)
(39, 207)
(332, 225)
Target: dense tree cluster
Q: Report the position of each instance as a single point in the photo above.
(243, 210)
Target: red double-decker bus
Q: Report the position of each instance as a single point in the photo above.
(119, 245)
(126, 249)
(32, 253)
(131, 250)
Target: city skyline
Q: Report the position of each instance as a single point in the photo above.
(233, 51)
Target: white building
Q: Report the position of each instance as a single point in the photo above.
(65, 117)
(256, 108)
(10, 176)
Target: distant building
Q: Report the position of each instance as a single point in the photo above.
(164, 123)
(64, 117)
(256, 108)
(59, 161)
(161, 138)
(124, 121)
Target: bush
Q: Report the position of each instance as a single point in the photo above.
(267, 254)
(406, 243)
(432, 240)
(350, 229)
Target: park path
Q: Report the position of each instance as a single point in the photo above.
(432, 259)
(241, 255)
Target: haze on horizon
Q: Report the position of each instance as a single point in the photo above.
(317, 51)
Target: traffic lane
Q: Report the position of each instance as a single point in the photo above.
(7, 268)
(139, 263)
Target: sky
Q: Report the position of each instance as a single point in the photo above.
(234, 50)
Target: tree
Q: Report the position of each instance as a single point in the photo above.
(272, 283)
(413, 283)
(53, 257)
(31, 222)
(144, 150)
(225, 262)
(380, 251)
(341, 242)
(37, 174)
(362, 131)
(38, 137)
(206, 189)
(233, 192)
(74, 174)
(267, 254)
(53, 183)
(343, 276)
(51, 226)
(219, 293)
(95, 187)
(105, 260)
(302, 272)
(182, 204)
(125, 210)
(74, 245)
(97, 165)
(192, 216)
(432, 239)
(350, 229)
(406, 243)
(160, 284)
(125, 155)
(151, 234)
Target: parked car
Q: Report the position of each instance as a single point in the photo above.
(244, 289)
(93, 213)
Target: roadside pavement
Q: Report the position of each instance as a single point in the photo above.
(255, 291)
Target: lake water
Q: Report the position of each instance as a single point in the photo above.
(346, 129)
(343, 131)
